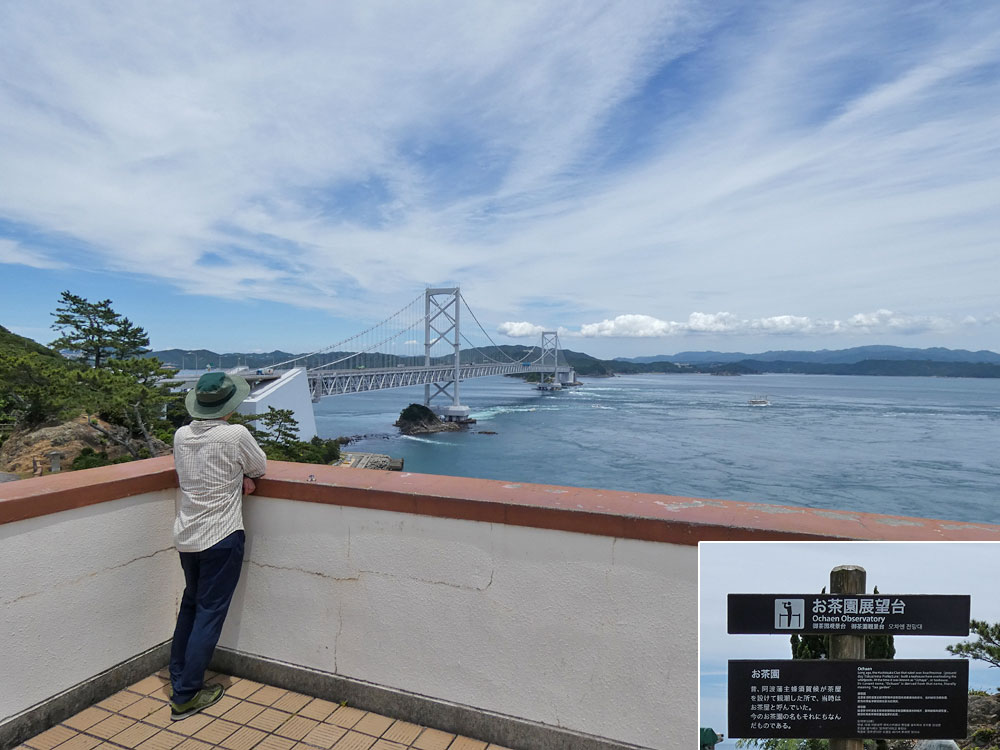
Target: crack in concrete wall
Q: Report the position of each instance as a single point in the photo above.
(85, 576)
(380, 573)
(316, 573)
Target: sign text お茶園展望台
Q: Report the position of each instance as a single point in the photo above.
(851, 614)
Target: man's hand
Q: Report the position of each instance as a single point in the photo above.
(248, 486)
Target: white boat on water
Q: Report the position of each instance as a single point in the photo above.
(759, 401)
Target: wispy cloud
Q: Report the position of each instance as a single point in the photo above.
(14, 253)
(654, 156)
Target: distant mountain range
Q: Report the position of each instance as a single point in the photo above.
(825, 356)
(862, 360)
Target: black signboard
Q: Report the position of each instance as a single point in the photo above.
(877, 698)
(853, 614)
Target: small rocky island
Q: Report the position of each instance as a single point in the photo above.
(417, 419)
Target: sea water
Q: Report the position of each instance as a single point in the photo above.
(926, 447)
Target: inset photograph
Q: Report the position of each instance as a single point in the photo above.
(849, 645)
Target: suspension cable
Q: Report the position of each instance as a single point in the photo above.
(352, 338)
(484, 330)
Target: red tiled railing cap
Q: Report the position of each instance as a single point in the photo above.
(661, 518)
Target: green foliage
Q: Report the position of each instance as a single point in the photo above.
(95, 332)
(88, 459)
(986, 648)
(35, 388)
(126, 393)
(11, 343)
(785, 744)
(417, 413)
(277, 435)
(984, 736)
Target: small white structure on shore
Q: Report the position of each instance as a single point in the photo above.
(289, 390)
(282, 389)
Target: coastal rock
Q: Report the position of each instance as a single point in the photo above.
(21, 451)
(417, 419)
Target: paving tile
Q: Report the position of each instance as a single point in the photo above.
(267, 695)
(466, 743)
(325, 735)
(273, 742)
(226, 680)
(386, 745)
(86, 718)
(318, 709)
(297, 727)
(354, 741)
(226, 703)
(189, 726)
(160, 717)
(135, 735)
(291, 702)
(373, 724)
(269, 719)
(141, 708)
(191, 744)
(243, 688)
(118, 701)
(51, 737)
(80, 742)
(111, 726)
(162, 693)
(433, 739)
(243, 738)
(164, 673)
(149, 685)
(346, 716)
(242, 712)
(497, 747)
(162, 741)
(402, 731)
(216, 731)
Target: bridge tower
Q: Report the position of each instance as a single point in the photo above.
(441, 323)
(550, 356)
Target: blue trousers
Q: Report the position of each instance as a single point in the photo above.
(210, 578)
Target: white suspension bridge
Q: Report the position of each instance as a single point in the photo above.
(387, 355)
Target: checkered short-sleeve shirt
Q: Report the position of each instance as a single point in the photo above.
(211, 457)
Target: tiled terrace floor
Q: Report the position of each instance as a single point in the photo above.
(251, 716)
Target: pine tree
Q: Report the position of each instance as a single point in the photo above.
(986, 649)
(95, 332)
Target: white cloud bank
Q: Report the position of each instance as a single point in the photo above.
(520, 330)
(879, 322)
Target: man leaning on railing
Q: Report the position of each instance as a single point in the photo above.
(216, 463)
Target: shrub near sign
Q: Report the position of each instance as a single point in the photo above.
(861, 614)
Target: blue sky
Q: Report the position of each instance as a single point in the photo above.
(645, 177)
(804, 567)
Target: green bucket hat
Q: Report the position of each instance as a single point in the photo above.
(216, 395)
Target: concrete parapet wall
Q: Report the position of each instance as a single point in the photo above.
(83, 590)
(585, 632)
(565, 606)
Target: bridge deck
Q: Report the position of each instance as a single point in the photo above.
(334, 382)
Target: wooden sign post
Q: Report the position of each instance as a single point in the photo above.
(847, 579)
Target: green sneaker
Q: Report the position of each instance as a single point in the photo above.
(207, 696)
